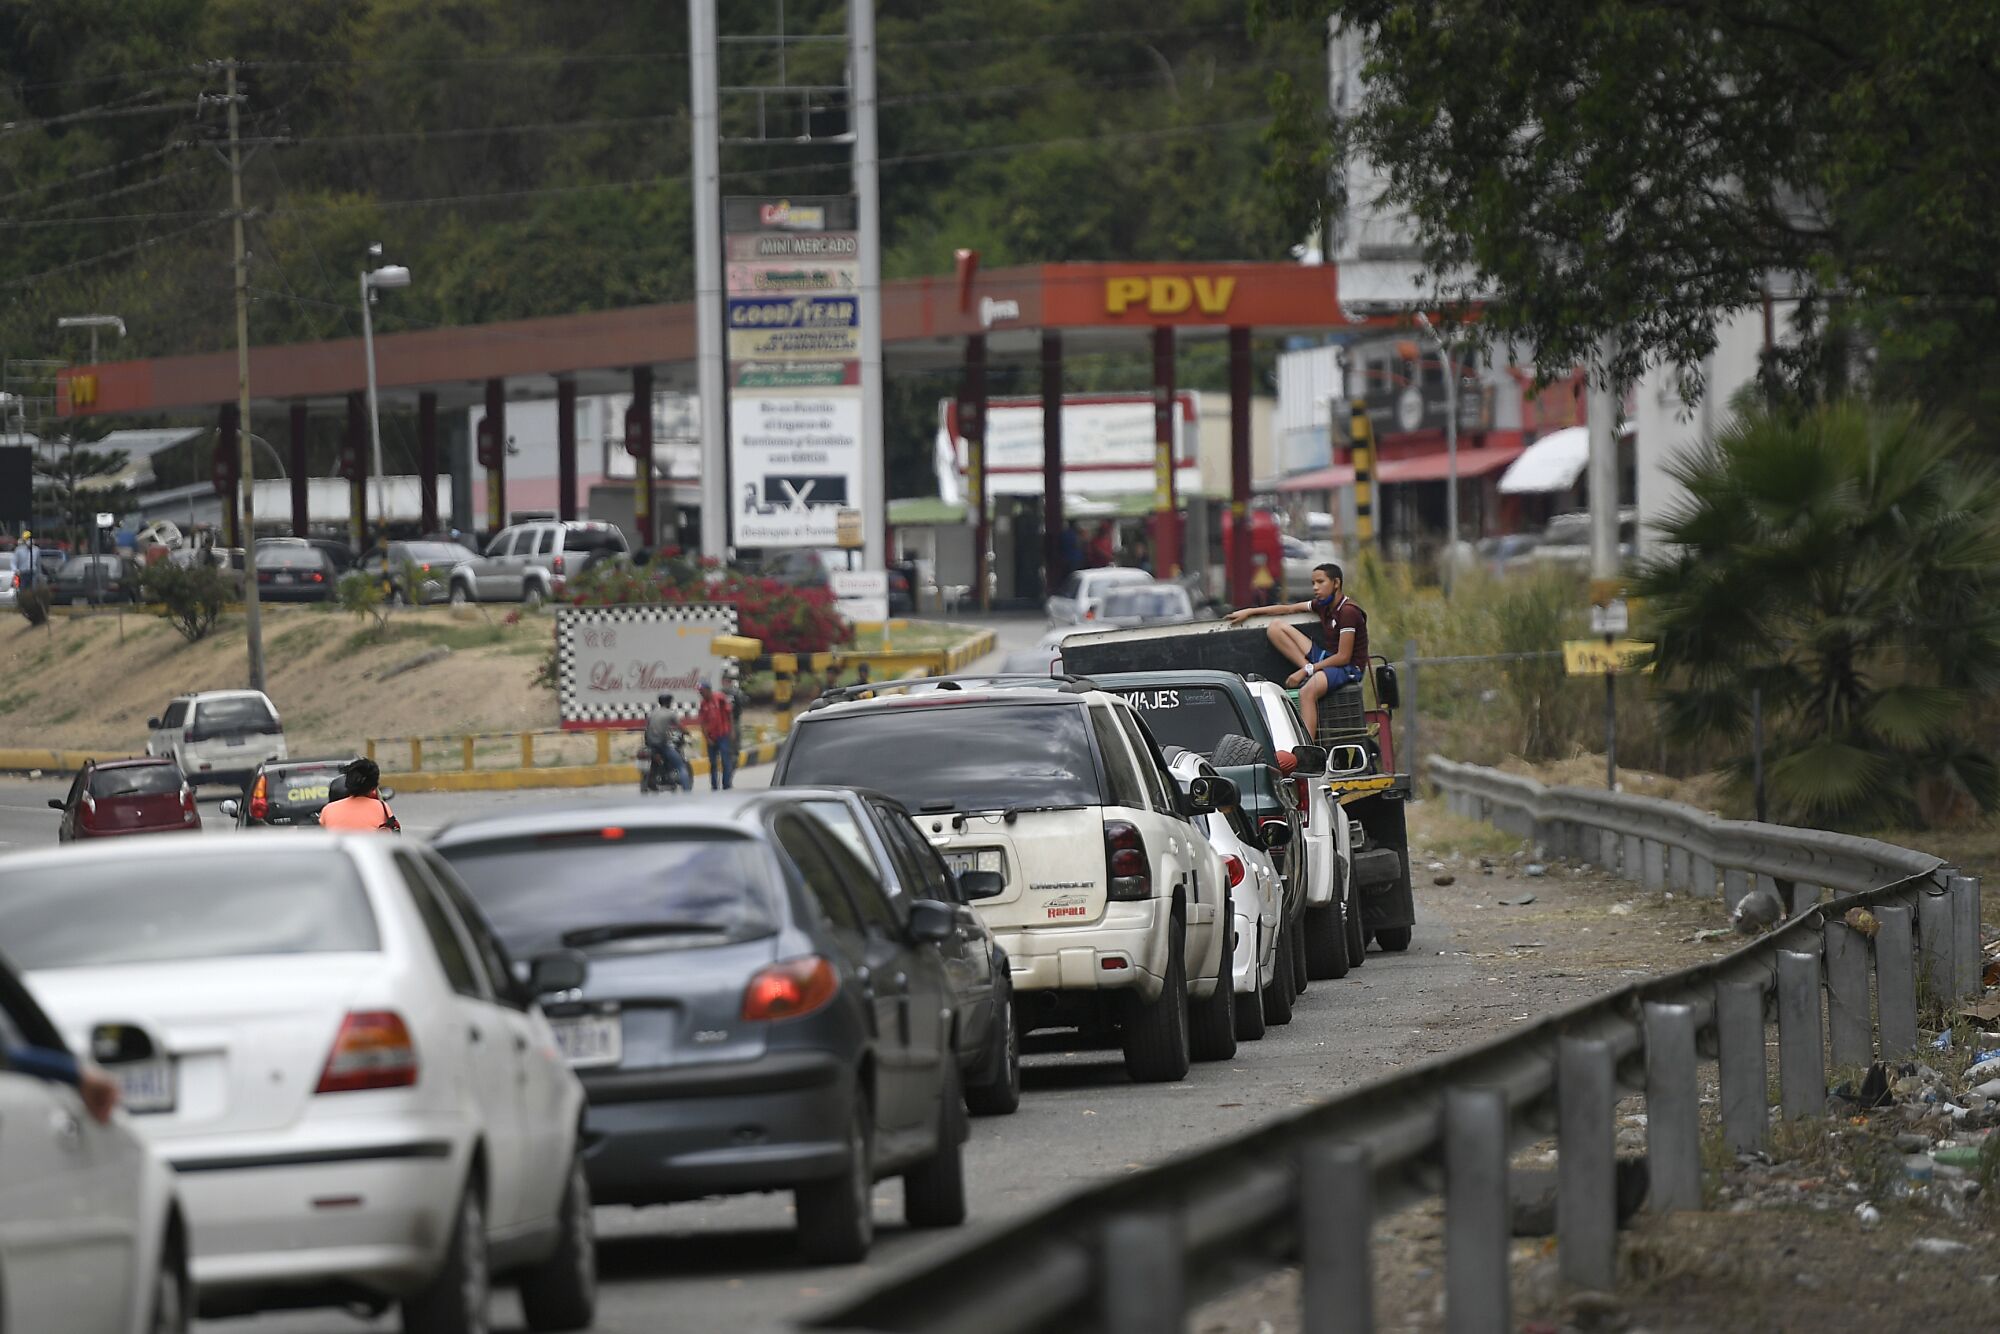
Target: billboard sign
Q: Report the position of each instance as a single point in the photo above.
(612, 663)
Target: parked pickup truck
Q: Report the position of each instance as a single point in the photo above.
(1355, 727)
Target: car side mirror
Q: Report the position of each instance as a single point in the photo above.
(558, 970)
(229, 809)
(121, 1044)
(152, 724)
(1311, 760)
(386, 793)
(1275, 834)
(58, 804)
(981, 884)
(1345, 760)
(932, 922)
(1207, 795)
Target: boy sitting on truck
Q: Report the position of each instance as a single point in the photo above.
(1339, 662)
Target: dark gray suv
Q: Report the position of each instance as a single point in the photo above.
(758, 1015)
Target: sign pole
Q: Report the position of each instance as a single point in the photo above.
(1610, 726)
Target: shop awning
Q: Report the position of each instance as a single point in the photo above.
(1552, 463)
(1422, 468)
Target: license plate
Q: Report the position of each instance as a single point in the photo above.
(976, 859)
(588, 1040)
(281, 579)
(146, 1086)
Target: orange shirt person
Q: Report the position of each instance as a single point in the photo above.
(362, 810)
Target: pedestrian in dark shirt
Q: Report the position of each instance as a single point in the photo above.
(1340, 661)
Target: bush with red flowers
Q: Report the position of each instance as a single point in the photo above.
(786, 619)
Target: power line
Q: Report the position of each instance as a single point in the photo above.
(92, 174)
(119, 253)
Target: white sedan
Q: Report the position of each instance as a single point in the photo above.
(360, 1097)
(91, 1237)
(1256, 899)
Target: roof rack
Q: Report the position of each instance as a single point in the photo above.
(965, 681)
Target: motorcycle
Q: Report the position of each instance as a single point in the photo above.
(659, 775)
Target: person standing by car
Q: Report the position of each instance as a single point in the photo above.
(1339, 662)
(718, 728)
(665, 738)
(362, 810)
(27, 560)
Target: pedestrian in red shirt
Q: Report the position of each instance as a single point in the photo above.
(718, 727)
(1339, 662)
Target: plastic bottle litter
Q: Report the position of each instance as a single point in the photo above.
(1985, 1068)
(1960, 1155)
(1937, 1246)
(1867, 1215)
(1918, 1167)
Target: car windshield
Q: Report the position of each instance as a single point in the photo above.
(211, 905)
(139, 780)
(1169, 600)
(596, 885)
(301, 787)
(953, 756)
(1192, 717)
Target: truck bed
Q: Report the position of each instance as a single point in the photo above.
(1243, 649)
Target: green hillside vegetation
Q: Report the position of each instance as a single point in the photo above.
(531, 159)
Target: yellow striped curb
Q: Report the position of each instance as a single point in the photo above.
(555, 775)
(21, 760)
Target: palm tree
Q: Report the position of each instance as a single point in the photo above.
(1846, 560)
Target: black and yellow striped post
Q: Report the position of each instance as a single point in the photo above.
(1362, 433)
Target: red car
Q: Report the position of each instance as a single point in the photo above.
(149, 796)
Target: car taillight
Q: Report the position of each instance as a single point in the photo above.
(1126, 865)
(790, 989)
(260, 798)
(1234, 865)
(87, 810)
(373, 1050)
(187, 737)
(318, 578)
(557, 565)
(423, 569)
(187, 799)
(1304, 791)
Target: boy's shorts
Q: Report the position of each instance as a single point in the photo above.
(1336, 677)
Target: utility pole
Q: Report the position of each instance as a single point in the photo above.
(868, 217)
(1450, 451)
(1604, 563)
(246, 455)
(710, 385)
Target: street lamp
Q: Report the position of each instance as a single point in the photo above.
(1450, 450)
(387, 276)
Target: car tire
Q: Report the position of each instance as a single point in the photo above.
(1249, 1008)
(1301, 975)
(837, 1216)
(1357, 934)
(172, 1312)
(532, 598)
(1326, 942)
(1394, 939)
(1279, 995)
(456, 1298)
(1156, 1034)
(460, 595)
(999, 1094)
(934, 1190)
(1236, 749)
(1212, 1021)
(560, 1293)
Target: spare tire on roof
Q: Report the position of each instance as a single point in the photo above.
(1237, 749)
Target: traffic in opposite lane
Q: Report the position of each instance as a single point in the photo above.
(802, 991)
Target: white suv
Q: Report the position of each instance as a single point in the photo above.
(1115, 911)
(532, 562)
(1333, 938)
(218, 736)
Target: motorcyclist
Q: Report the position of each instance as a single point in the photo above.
(665, 739)
(362, 809)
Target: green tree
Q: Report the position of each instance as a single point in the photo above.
(71, 481)
(1634, 167)
(1846, 562)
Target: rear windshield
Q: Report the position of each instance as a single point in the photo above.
(301, 788)
(594, 540)
(1192, 717)
(434, 553)
(602, 888)
(1146, 602)
(290, 558)
(953, 757)
(139, 780)
(227, 717)
(219, 905)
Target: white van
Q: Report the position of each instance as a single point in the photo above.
(218, 736)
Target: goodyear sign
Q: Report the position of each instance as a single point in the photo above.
(1595, 657)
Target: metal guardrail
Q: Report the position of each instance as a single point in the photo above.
(1135, 1254)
